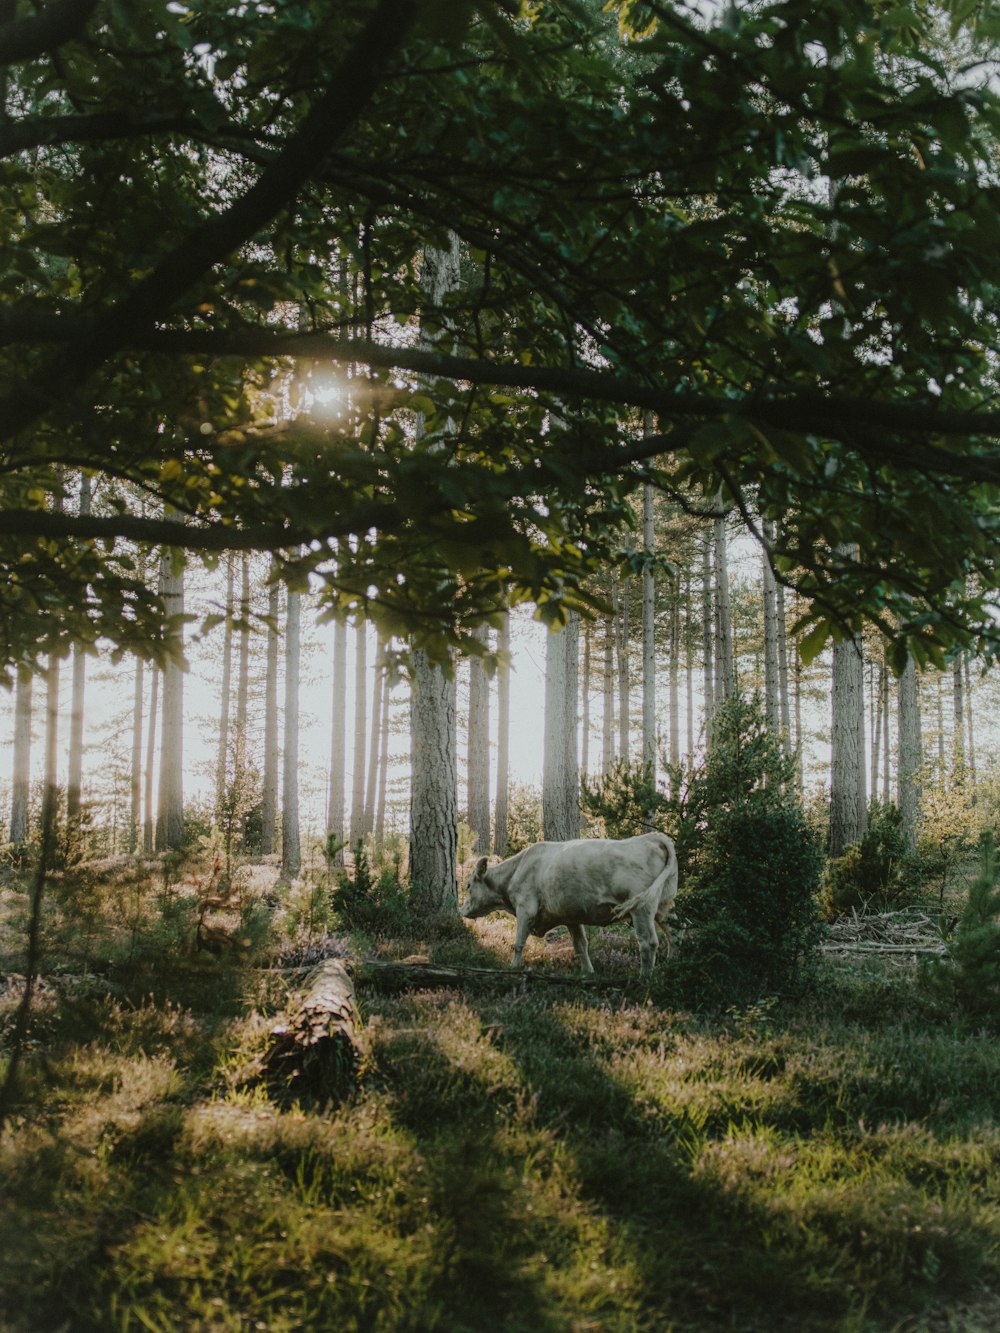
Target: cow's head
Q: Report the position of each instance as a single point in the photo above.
(480, 897)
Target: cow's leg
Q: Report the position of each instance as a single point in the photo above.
(644, 925)
(525, 921)
(578, 935)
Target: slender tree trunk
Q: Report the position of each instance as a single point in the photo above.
(433, 794)
(148, 824)
(170, 813)
(383, 763)
(725, 665)
(772, 681)
(585, 699)
(848, 806)
(74, 780)
(958, 725)
(291, 852)
(52, 723)
(222, 758)
(648, 626)
(886, 750)
(243, 678)
(910, 758)
(689, 633)
(940, 729)
(707, 640)
(478, 757)
(560, 773)
(21, 784)
(269, 777)
(875, 718)
(674, 702)
(500, 814)
(375, 741)
(360, 719)
(608, 722)
(620, 606)
(968, 718)
(135, 777)
(783, 683)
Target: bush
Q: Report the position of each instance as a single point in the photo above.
(750, 862)
(971, 972)
(879, 872)
(376, 903)
(524, 817)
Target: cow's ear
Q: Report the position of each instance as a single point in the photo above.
(481, 865)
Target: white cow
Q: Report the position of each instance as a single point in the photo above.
(586, 882)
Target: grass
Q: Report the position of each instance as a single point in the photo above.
(589, 1159)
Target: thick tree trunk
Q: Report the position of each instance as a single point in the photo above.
(338, 743)
(360, 720)
(21, 777)
(269, 777)
(560, 774)
(478, 756)
(433, 795)
(314, 1051)
(170, 812)
(222, 757)
(910, 757)
(291, 852)
(848, 806)
(500, 814)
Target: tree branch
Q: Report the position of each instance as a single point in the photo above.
(27, 38)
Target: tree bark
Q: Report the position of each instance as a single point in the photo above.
(648, 627)
(968, 718)
(148, 819)
(500, 814)
(560, 775)
(608, 718)
(707, 629)
(958, 725)
(360, 720)
(21, 777)
(170, 812)
(910, 757)
(725, 665)
(772, 683)
(314, 1050)
(291, 853)
(383, 763)
(74, 780)
(585, 697)
(848, 806)
(243, 676)
(135, 776)
(433, 795)
(620, 602)
(222, 757)
(269, 777)
(375, 740)
(478, 756)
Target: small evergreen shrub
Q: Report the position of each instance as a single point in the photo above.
(524, 817)
(970, 973)
(750, 865)
(878, 873)
(372, 901)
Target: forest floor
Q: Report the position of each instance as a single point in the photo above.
(516, 1157)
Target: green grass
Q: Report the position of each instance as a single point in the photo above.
(519, 1159)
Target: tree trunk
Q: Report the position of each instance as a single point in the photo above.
(689, 633)
(958, 725)
(648, 626)
(383, 763)
(585, 698)
(876, 695)
(500, 814)
(154, 712)
(360, 720)
(21, 777)
(784, 700)
(314, 1050)
(674, 681)
(170, 812)
(338, 743)
(725, 665)
(620, 602)
(910, 757)
(52, 723)
(707, 641)
(269, 777)
(772, 683)
(478, 756)
(968, 718)
(222, 758)
(608, 719)
(243, 677)
(375, 739)
(135, 777)
(291, 853)
(433, 794)
(848, 806)
(560, 774)
(74, 780)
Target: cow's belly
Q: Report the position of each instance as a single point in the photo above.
(568, 914)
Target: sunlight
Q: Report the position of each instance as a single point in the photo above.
(326, 395)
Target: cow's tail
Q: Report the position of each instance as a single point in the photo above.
(650, 897)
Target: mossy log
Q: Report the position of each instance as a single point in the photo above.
(386, 974)
(315, 1049)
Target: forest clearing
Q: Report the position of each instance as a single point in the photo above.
(514, 1155)
(518, 454)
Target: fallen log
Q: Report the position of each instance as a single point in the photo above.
(315, 1049)
(389, 974)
